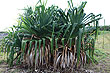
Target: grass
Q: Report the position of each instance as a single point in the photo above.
(102, 53)
(103, 41)
(102, 45)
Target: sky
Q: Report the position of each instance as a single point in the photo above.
(10, 9)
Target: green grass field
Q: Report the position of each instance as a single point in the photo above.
(103, 41)
(102, 53)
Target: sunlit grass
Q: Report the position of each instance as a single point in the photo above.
(103, 41)
(102, 46)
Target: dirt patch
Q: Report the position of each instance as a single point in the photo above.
(103, 66)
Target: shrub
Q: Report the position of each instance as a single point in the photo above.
(53, 37)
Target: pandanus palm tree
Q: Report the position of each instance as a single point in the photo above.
(52, 37)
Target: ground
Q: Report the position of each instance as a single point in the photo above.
(102, 55)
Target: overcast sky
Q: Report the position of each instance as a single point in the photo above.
(10, 9)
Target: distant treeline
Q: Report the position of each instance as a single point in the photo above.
(106, 28)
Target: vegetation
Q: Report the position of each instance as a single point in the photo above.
(105, 28)
(50, 36)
